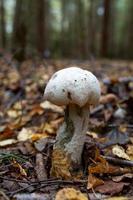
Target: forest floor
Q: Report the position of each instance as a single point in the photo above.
(28, 127)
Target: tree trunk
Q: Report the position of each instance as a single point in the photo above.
(64, 43)
(91, 29)
(129, 46)
(2, 22)
(19, 31)
(105, 28)
(41, 26)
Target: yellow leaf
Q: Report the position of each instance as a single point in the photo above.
(38, 136)
(48, 128)
(22, 170)
(70, 194)
(118, 198)
(129, 151)
(14, 113)
(60, 164)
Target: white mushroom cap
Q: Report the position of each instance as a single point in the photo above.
(73, 86)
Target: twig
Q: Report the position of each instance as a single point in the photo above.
(119, 161)
(97, 109)
(4, 195)
(46, 183)
(13, 179)
(28, 182)
(14, 99)
(117, 125)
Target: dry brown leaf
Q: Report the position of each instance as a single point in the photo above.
(111, 187)
(36, 110)
(7, 133)
(60, 165)
(55, 123)
(48, 128)
(129, 151)
(21, 169)
(38, 136)
(101, 166)
(70, 194)
(93, 182)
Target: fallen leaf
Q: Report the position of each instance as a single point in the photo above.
(92, 134)
(129, 151)
(111, 187)
(120, 113)
(108, 98)
(43, 143)
(7, 142)
(14, 113)
(37, 109)
(120, 178)
(70, 194)
(119, 198)
(24, 134)
(93, 182)
(120, 152)
(28, 134)
(50, 106)
(38, 136)
(116, 136)
(18, 166)
(60, 165)
(101, 166)
(31, 196)
(6, 133)
(48, 128)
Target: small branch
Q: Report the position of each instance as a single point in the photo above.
(97, 109)
(46, 183)
(117, 125)
(119, 161)
(4, 195)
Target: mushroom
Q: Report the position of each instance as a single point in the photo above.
(77, 89)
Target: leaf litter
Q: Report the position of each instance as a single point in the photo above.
(29, 124)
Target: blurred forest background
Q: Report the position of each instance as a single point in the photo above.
(82, 29)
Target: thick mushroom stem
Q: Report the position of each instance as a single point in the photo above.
(71, 135)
